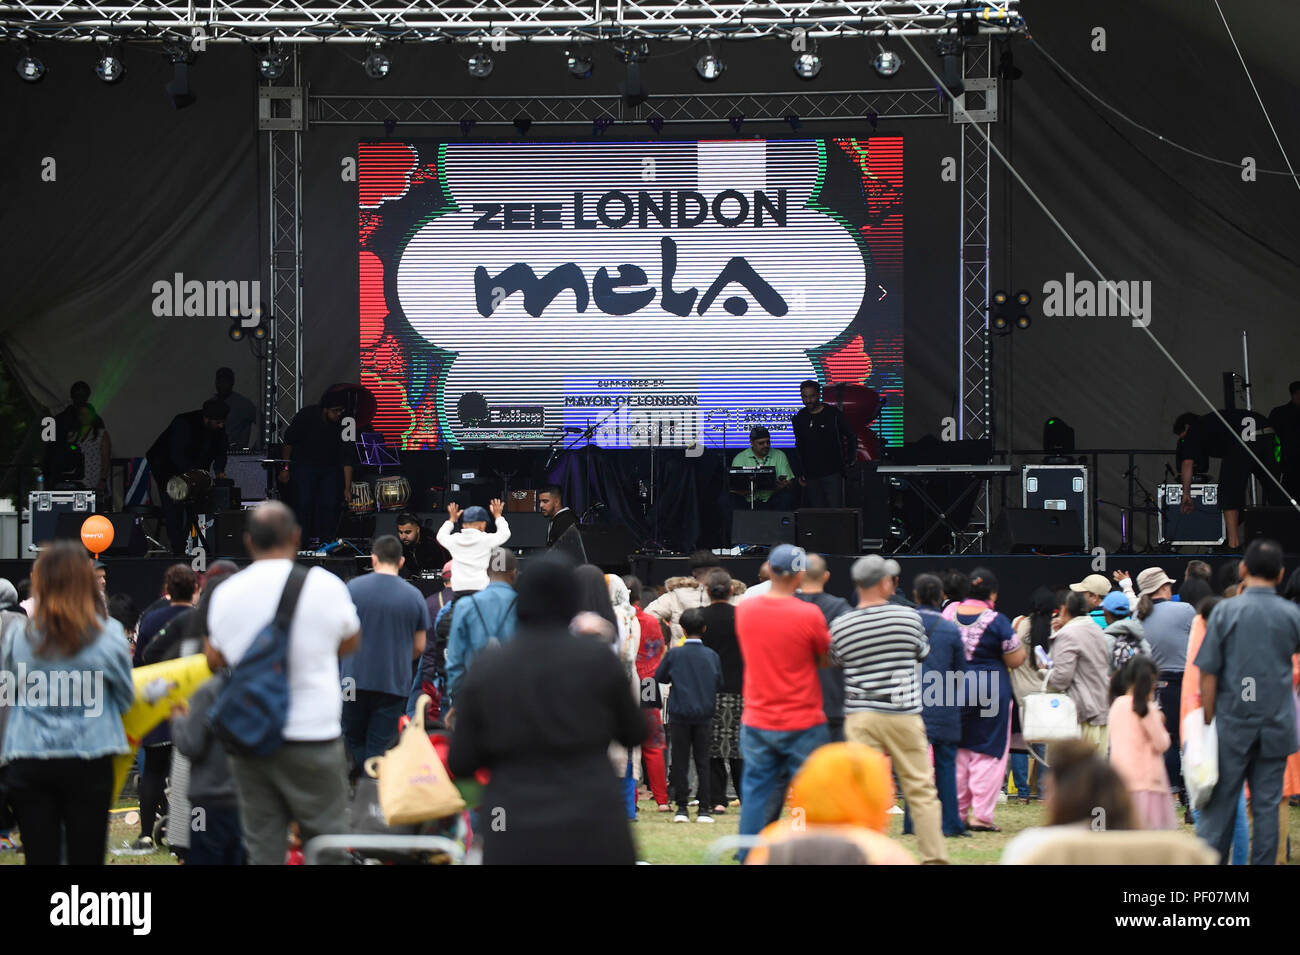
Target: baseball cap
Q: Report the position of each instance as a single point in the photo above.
(872, 569)
(1151, 580)
(474, 513)
(1092, 584)
(1116, 603)
(786, 559)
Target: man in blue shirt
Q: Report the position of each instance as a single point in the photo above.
(375, 679)
(480, 619)
(1245, 665)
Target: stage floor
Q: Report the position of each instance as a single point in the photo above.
(1018, 574)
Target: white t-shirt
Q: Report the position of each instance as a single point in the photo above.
(470, 551)
(757, 590)
(325, 617)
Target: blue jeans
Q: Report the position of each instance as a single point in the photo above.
(370, 725)
(771, 758)
(945, 780)
(1240, 832)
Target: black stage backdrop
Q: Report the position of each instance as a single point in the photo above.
(143, 192)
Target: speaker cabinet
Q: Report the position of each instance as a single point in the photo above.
(527, 530)
(226, 539)
(764, 528)
(1021, 530)
(608, 546)
(128, 538)
(1281, 524)
(829, 530)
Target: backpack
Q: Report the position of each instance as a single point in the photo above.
(248, 716)
(1126, 648)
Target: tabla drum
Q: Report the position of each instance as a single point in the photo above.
(191, 486)
(393, 491)
(360, 500)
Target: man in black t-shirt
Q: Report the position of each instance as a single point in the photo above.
(1286, 424)
(1201, 437)
(193, 441)
(319, 472)
(551, 503)
(825, 445)
(422, 553)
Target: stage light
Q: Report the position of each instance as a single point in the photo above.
(259, 332)
(1023, 321)
(271, 63)
(808, 65)
(178, 90)
(999, 321)
(236, 332)
(30, 68)
(378, 64)
(579, 63)
(999, 297)
(1007, 68)
(656, 123)
(633, 90)
(887, 63)
(523, 124)
(109, 66)
(1058, 437)
(794, 122)
(949, 49)
(466, 125)
(709, 66)
(736, 121)
(1023, 298)
(480, 64)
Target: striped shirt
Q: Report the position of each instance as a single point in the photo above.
(880, 649)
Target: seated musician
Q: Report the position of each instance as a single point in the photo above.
(761, 454)
(422, 553)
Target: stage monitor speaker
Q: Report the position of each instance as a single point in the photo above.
(1021, 530)
(607, 545)
(764, 528)
(829, 530)
(226, 539)
(1281, 524)
(128, 538)
(527, 530)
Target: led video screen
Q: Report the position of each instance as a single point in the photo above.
(626, 293)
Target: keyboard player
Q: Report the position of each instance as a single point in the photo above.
(761, 454)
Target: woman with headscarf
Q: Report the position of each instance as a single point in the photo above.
(841, 797)
(539, 713)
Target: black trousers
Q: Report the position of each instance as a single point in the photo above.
(1169, 692)
(687, 742)
(60, 802)
(718, 779)
(177, 518)
(220, 838)
(153, 786)
(825, 491)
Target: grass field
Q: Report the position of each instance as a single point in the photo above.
(660, 841)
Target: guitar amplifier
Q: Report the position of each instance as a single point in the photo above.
(1056, 487)
(1203, 526)
(521, 501)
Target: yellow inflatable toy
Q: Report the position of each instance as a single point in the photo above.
(157, 687)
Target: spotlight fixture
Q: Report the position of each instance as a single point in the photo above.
(808, 65)
(794, 122)
(108, 67)
(736, 121)
(523, 124)
(999, 321)
(29, 67)
(466, 125)
(886, 62)
(579, 63)
(178, 90)
(378, 63)
(656, 123)
(236, 332)
(271, 63)
(1023, 321)
(259, 331)
(710, 66)
(633, 89)
(1007, 68)
(1000, 297)
(873, 118)
(480, 64)
(1023, 298)
(949, 49)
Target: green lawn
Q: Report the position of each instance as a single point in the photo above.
(660, 841)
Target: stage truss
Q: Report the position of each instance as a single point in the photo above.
(506, 21)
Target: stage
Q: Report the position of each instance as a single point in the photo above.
(1018, 574)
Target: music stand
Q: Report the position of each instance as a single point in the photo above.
(753, 479)
(373, 452)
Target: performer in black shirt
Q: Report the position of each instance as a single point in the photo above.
(421, 553)
(1201, 437)
(195, 440)
(320, 470)
(551, 503)
(1286, 425)
(825, 445)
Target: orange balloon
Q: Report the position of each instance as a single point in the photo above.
(97, 534)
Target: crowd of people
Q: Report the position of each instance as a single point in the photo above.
(567, 688)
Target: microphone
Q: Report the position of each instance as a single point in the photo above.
(570, 429)
(331, 546)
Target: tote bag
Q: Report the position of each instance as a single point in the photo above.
(1047, 717)
(414, 786)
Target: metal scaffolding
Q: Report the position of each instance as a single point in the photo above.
(507, 21)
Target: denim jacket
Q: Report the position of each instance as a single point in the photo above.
(65, 707)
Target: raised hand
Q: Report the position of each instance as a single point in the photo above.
(497, 506)
(453, 511)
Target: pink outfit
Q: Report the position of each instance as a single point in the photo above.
(979, 782)
(1137, 753)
